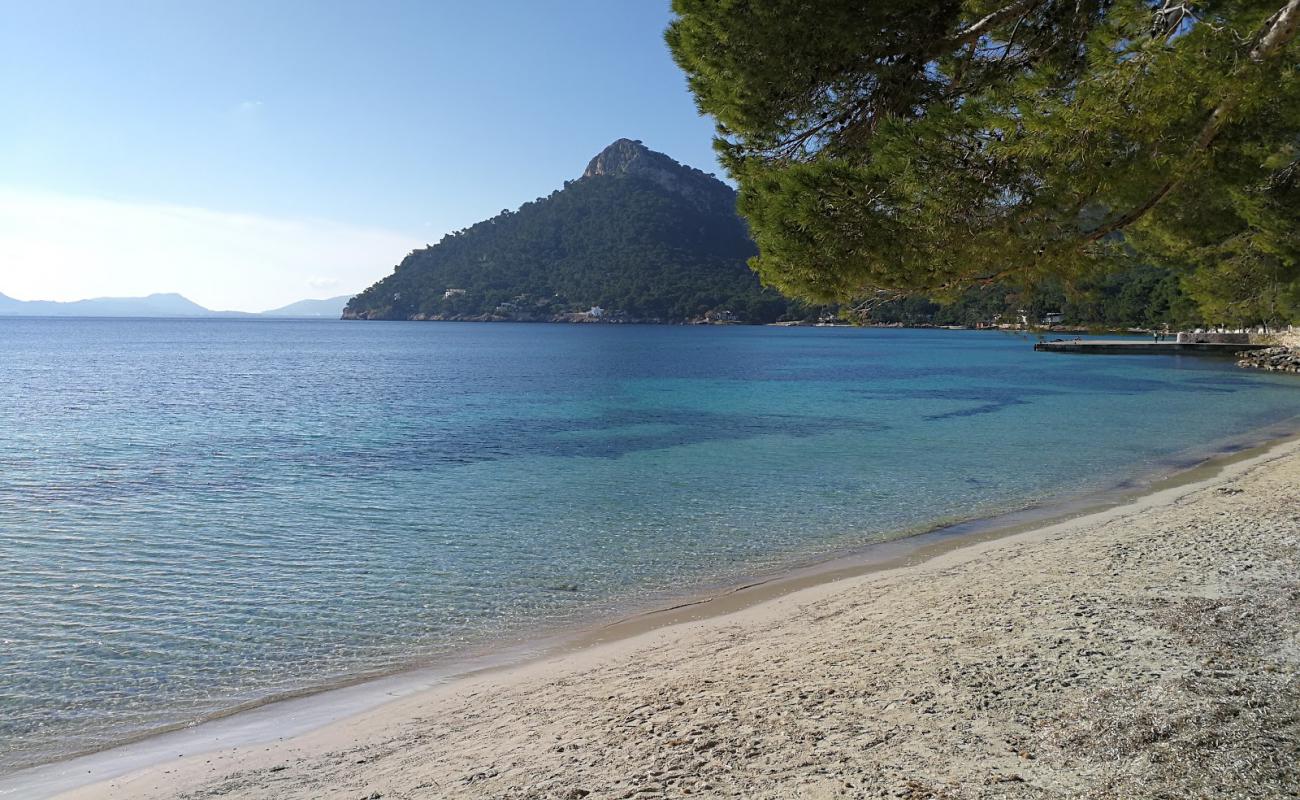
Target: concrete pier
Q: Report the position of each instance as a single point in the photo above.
(1132, 347)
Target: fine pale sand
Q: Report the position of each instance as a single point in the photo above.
(1148, 651)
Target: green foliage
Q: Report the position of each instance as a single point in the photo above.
(1239, 249)
(927, 147)
(1138, 296)
(623, 242)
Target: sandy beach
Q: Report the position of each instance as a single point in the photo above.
(1150, 650)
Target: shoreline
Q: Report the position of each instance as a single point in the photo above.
(317, 711)
(361, 691)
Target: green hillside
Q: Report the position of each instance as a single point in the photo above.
(638, 236)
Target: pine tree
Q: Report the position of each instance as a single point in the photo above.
(902, 147)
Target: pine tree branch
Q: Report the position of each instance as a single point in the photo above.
(981, 27)
(1281, 29)
(1278, 31)
(867, 113)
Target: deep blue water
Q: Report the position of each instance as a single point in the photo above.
(198, 514)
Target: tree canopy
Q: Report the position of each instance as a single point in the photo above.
(890, 146)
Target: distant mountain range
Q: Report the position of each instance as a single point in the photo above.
(637, 238)
(331, 307)
(160, 305)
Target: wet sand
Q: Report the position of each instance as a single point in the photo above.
(1148, 650)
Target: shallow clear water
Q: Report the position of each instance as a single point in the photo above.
(198, 514)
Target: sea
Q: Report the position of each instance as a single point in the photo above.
(201, 515)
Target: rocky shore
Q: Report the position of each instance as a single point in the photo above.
(1273, 359)
(1150, 651)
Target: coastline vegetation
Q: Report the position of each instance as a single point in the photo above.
(667, 245)
(1141, 297)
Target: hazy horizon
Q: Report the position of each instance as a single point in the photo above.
(38, 300)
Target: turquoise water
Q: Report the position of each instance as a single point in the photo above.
(199, 514)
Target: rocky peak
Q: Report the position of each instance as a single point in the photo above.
(631, 157)
(620, 158)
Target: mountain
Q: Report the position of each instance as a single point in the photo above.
(159, 305)
(331, 307)
(638, 238)
(8, 305)
(154, 305)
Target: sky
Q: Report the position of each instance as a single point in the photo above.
(251, 154)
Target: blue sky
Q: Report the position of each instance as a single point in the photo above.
(248, 154)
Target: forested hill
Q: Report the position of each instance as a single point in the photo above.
(639, 237)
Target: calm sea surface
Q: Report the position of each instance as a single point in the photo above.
(198, 514)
